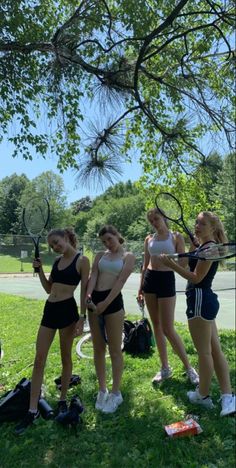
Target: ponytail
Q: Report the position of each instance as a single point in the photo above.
(154, 211)
(68, 232)
(217, 227)
(108, 228)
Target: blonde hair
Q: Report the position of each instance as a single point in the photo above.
(154, 211)
(216, 225)
(108, 228)
(67, 232)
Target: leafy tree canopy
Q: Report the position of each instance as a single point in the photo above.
(16, 191)
(11, 189)
(162, 73)
(225, 193)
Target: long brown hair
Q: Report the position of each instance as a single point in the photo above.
(108, 228)
(153, 211)
(217, 226)
(67, 232)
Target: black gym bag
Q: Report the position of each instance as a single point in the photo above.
(15, 403)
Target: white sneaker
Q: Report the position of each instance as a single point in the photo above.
(196, 398)
(101, 400)
(228, 404)
(165, 373)
(112, 403)
(193, 375)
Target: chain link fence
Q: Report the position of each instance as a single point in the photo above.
(21, 248)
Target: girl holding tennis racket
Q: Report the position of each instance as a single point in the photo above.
(202, 308)
(110, 271)
(158, 287)
(60, 312)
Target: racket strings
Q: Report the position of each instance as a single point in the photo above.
(35, 217)
(217, 251)
(168, 206)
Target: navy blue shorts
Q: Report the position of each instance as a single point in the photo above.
(202, 303)
(116, 305)
(161, 283)
(60, 314)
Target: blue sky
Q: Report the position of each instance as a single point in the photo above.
(31, 169)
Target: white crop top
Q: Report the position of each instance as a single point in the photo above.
(110, 266)
(157, 247)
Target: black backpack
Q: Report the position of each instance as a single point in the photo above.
(137, 337)
(15, 403)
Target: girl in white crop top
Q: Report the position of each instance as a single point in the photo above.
(157, 285)
(110, 271)
(157, 247)
(114, 267)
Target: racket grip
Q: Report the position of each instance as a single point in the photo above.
(37, 269)
(90, 305)
(193, 239)
(36, 257)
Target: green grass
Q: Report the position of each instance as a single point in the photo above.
(13, 264)
(132, 437)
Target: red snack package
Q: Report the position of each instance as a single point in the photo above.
(183, 428)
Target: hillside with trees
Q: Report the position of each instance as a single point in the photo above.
(123, 204)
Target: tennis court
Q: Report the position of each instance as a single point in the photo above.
(27, 285)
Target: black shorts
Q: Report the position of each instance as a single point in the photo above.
(60, 314)
(202, 303)
(161, 283)
(116, 305)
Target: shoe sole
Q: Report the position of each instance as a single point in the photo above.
(201, 404)
(232, 413)
(26, 428)
(157, 382)
(111, 412)
(99, 407)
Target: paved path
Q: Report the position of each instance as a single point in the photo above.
(27, 285)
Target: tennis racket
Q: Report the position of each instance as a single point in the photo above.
(214, 252)
(35, 218)
(171, 209)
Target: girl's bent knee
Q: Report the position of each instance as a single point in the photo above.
(116, 355)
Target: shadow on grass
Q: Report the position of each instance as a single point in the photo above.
(134, 435)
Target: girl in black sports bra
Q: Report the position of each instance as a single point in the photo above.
(60, 312)
(202, 308)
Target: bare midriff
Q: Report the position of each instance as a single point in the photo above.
(105, 281)
(156, 264)
(61, 292)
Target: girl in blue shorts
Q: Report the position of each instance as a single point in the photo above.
(202, 308)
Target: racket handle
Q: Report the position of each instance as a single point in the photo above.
(175, 256)
(90, 305)
(36, 257)
(193, 239)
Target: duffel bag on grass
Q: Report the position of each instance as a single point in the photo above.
(137, 336)
(15, 403)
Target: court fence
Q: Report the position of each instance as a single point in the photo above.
(21, 248)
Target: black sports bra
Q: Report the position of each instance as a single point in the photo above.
(206, 282)
(68, 275)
